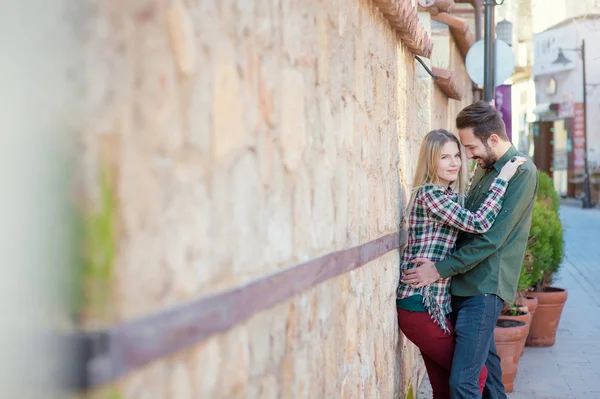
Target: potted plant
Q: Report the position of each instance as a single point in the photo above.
(525, 283)
(543, 258)
(509, 336)
(517, 312)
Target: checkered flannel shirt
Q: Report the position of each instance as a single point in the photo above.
(434, 223)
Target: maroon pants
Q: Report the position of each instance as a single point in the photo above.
(437, 349)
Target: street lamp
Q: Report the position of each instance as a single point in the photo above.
(561, 59)
(489, 59)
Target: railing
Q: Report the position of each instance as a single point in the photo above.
(103, 356)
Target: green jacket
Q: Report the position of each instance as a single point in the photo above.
(490, 263)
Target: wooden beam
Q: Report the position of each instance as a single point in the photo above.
(439, 6)
(459, 28)
(449, 84)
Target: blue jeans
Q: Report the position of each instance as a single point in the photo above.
(474, 321)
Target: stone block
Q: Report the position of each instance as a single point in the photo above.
(341, 194)
(228, 130)
(234, 372)
(323, 68)
(359, 68)
(278, 218)
(150, 382)
(292, 118)
(181, 381)
(199, 122)
(302, 210)
(207, 360)
(322, 207)
(181, 29)
(259, 341)
(269, 387)
(247, 214)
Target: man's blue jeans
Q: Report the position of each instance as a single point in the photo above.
(474, 321)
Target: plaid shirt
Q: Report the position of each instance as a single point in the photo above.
(434, 223)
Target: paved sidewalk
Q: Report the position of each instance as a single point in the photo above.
(571, 368)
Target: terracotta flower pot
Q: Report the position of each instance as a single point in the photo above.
(531, 302)
(509, 335)
(543, 327)
(526, 317)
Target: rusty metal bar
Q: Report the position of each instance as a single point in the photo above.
(103, 356)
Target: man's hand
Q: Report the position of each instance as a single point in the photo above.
(422, 275)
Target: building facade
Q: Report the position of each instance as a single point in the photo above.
(559, 137)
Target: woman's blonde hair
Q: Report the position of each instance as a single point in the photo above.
(427, 164)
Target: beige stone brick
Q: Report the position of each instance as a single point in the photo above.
(293, 123)
(181, 29)
(156, 90)
(181, 381)
(235, 366)
(199, 122)
(277, 335)
(359, 68)
(306, 318)
(221, 204)
(269, 387)
(151, 382)
(298, 34)
(302, 374)
(279, 217)
(207, 362)
(286, 377)
(316, 363)
(351, 331)
(353, 216)
(376, 209)
(139, 288)
(332, 361)
(259, 343)
(362, 193)
(249, 71)
(323, 39)
(268, 24)
(360, 131)
(302, 209)
(341, 193)
(322, 229)
(228, 131)
(248, 213)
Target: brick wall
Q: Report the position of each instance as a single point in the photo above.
(243, 137)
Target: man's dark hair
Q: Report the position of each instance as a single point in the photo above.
(484, 119)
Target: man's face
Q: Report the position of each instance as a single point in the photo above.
(476, 149)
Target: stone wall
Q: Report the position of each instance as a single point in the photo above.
(240, 138)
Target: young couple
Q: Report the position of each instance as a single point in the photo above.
(462, 262)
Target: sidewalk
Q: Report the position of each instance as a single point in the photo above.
(571, 368)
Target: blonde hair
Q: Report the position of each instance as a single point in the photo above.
(427, 165)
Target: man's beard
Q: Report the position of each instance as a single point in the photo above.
(487, 161)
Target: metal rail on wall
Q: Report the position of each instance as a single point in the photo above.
(104, 356)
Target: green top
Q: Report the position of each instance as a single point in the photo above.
(414, 303)
(490, 263)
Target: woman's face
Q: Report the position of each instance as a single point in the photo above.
(449, 163)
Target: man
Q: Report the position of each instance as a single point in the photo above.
(485, 268)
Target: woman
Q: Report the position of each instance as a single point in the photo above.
(435, 218)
